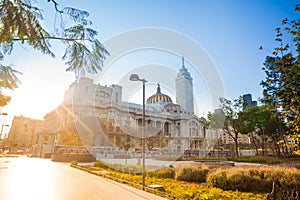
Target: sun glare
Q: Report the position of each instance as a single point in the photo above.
(29, 179)
(42, 87)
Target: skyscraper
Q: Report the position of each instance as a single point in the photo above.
(248, 103)
(184, 89)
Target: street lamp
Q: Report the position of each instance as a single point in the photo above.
(5, 135)
(4, 115)
(135, 77)
(3, 124)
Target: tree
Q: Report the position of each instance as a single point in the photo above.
(231, 120)
(216, 119)
(8, 80)
(282, 69)
(260, 123)
(70, 138)
(248, 126)
(21, 22)
(216, 122)
(156, 141)
(126, 142)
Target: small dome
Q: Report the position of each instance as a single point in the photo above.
(159, 98)
(172, 107)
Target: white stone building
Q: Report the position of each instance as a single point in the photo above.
(102, 119)
(214, 134)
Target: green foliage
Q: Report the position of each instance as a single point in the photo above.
(132, 169)
(70, 138)
(21, 22)
(101, 164)
(232, 122)
(215, 120)
(261, 121)
(74, 162)
(8, 80)
(128, 168)
(4, 100)
(223, 183)
(192, 174)
(163, 173)
(293, 161)
(254, 179)
(80, 57)
(183, 190)
(281, 86)
(260, 160)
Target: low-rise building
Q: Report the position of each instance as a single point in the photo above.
(23, 133)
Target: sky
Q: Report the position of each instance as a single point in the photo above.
(229, 32)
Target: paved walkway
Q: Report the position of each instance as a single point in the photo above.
(32, 178)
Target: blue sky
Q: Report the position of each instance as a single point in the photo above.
(230, 31)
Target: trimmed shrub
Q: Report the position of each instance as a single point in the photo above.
(254, 179)
(163, 173)
(131, 169)
(192, 174)
(181, 189)
(101, 164)
(74, 162)
(260, 159)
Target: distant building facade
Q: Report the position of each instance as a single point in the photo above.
(248, 102)
(23, 132)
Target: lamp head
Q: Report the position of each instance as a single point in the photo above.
(134, 77)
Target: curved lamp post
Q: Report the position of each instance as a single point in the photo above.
(5, 135)
(135, 77)
(3, 124)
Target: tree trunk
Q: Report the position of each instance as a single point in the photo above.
(237, 148)
(253, 141)
(256, 146)
(236, 142)
(276, 146)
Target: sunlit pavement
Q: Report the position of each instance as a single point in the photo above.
(32, 178)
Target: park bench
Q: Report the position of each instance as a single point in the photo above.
(159, 188)
(282, 193)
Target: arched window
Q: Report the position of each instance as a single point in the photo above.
(194, 128)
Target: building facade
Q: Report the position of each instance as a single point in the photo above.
(248, 102)
(103, 120)
(214, 134)
(23, 133)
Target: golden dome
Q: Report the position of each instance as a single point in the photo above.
(159, 98)
(172, 107)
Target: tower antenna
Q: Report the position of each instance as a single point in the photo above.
(183, 62)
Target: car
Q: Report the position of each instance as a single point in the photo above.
(20, 152)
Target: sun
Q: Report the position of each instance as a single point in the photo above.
(42, 87)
